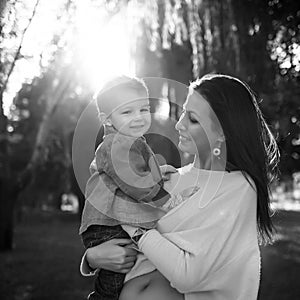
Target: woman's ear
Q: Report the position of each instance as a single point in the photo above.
(104, 119)
(221, 138)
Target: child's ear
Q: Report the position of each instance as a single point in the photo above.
(108, 122)
(104, 119)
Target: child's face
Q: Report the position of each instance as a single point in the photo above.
(133, 118)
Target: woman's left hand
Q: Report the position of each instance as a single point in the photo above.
(117, 255)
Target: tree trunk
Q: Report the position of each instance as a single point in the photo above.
(11, 184)
(9, 193)
(6, 204)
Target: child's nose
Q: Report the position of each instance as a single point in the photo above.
(138, 115)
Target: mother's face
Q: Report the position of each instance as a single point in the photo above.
(197, 134)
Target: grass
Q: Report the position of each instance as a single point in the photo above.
(281, 261)
(45, 262)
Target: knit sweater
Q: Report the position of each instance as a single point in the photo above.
(207, 246)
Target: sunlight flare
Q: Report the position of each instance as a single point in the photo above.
(103, 45)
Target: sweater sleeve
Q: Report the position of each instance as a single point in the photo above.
(85, 269)
(184, 269)
(167, 256)
(126, 165)
(188, 258)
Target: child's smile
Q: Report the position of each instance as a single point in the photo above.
(133, 119)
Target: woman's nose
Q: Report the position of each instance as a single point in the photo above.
(179, 125)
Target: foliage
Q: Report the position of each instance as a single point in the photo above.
(211, 35)
(284, 40)
(258, 41)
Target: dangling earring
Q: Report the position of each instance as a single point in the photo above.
(216, 152)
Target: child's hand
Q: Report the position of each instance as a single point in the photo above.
(166, 171)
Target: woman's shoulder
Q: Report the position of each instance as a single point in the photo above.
(239, 179)
(239, 190)
(235, 178)
(222, 181)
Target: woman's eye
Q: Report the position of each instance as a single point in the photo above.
(193, 120)
(145, 110)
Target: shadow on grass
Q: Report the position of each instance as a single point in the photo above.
(45, 262)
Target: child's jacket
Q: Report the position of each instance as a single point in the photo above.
(125, 186)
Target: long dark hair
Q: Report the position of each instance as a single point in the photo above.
(250, 144)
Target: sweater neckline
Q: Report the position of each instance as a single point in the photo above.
(190, 168)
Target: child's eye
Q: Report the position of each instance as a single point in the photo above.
(146, 109)
(126, 112)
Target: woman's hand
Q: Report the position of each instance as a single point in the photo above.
(166, 171)
(115, 255)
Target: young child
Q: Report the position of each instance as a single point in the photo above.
(126, 185)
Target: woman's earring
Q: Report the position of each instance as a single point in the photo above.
(216, 152)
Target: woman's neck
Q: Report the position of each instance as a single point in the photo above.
(210, 163)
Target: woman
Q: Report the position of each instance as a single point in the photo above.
(207, 247)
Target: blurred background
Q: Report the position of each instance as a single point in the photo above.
(56, 54)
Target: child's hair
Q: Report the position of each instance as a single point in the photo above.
(105, 94)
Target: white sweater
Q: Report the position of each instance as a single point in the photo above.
(207, 246)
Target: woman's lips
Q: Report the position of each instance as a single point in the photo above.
(183, 138)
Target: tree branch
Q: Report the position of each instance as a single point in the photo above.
(19, 49)
(58, 95)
